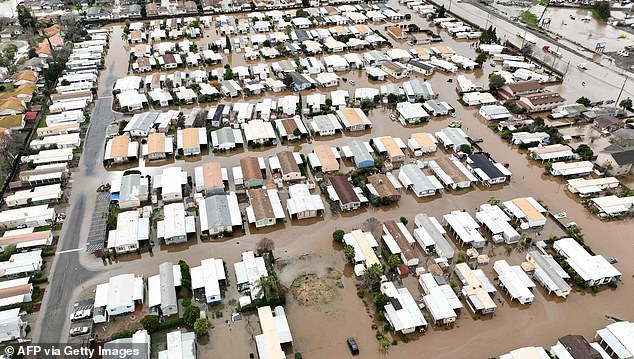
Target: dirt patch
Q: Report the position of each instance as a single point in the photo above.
(310, 289)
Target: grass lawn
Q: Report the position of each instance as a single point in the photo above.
(529, 19)
(6, 87)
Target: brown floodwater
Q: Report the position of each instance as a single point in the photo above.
(320, 331)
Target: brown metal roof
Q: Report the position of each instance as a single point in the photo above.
(287, 162)
(22, 238)
(525, 86)
(544, 97)
(190, 137)
(17, 290)
(119, 146)
(250, 168)
(450, 168)
(289, 125)
(399, 237)
(382, 185)
(212, 175)
(156, 143)
(344, 189)
(327, 159)
(579, 348)
(261, 203)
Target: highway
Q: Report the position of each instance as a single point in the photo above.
(602, 76)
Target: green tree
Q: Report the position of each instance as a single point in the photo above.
(440, 12)
(150, 323)
(366, 104)
(585, 152)
(393, 261)
(9, 51)
(201, 327)
(191, 314)
(337, 235)
(404, 220)
(301, 13)
(297, 132)
(602, 10)
(227, 43)
(288, 81)
(464, 148)
(349, 252)
(626, 103)
(408, 17)
(25, 18)
(186, 279)
(266, 43)
(269, 286)
(481, 58)
(380, 300)
(584, 101)
(496, 81)
(392, 98)
(228, 75)
(462, 256)
(372, 275)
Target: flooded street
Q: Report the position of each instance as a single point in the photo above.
(320, 331)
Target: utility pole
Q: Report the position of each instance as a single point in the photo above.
(621, 92)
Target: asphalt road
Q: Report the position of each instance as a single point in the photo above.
(601, 76)
(68, 274)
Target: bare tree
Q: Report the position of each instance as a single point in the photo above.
(265, 245)
(373, 226)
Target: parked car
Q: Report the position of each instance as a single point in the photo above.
(612, 260)
(79, 331)
(560, 215)
(352, 82)
(352, 345)
(477, 140)
(570, 225)
(393, 117)
(456, 124)
(582, 66)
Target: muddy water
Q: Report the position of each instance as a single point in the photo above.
(587, 33)
(320, 332)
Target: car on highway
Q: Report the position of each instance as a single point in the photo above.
(353, 346)
(80, 330)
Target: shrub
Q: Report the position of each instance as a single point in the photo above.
(191, 314)
(150, 323)
(121, 334)
(187, 302)
(337, 235)
(201, 326)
